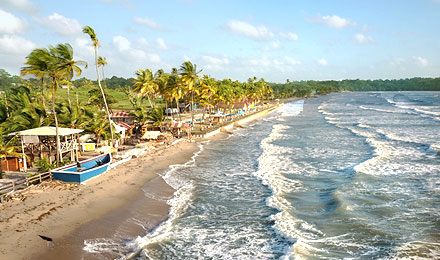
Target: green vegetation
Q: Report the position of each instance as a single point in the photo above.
(46, 95)
(308, 88)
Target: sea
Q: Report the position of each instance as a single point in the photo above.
(340, 176)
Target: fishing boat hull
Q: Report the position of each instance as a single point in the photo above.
(89, 168)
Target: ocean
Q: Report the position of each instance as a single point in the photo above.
(341, 176)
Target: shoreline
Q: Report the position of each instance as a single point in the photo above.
(71, 214)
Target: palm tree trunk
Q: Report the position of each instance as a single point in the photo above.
(149, 100)
(68, 97)
(192, 107)
(43, 99)
(178, 109)
(166, 108)
(103, 76)
(57, 137)
(103, 94)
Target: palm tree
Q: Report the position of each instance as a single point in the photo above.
(58, 64)
(205, 92)
(70, 68)
(96, 124)
(146, 84)
(89, 30)
(189, 72)
(72, 117)
(36, 66)
(176, 88)
(102, 61)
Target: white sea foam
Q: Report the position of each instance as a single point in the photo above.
(178, 203)
(383, 110)
(292, 108)
(273, 163)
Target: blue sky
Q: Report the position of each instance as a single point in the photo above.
(276, 40)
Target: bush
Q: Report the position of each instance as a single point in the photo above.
(43, 165)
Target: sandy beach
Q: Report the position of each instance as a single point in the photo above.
(72, 213)
(109, 206)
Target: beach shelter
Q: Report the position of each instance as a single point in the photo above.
(151, 135)
(42, 139)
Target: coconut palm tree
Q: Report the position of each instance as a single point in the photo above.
(189, 77)
(89, 30)
(205, 91)
(176, 88)
(102, 61)
(36, 66)
(146, 85)
(56, 62)
(96, 124)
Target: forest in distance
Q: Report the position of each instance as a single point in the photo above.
(304, 88)
(287, 89)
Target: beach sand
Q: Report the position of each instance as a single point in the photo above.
(103, 208)
(123, 203)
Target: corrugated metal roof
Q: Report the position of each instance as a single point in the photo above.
(121, 114)
(48, 131)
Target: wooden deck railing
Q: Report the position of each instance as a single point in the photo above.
(23, 183)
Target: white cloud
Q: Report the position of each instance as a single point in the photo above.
(397, 61)
(160, 42)
(149, 23)
(260, 33)
(122, 43)
(422, 62)
(62, 25)
(292, 61)
(361, 38)
(83, 46)
(154, 58)
(259, 62)
(20, 5)
(215, 61)
(15, 45)
(335, 21)
(289, 35)
(275, 44)
(127, 52)
(10, 24)
(322, 62)
(13, 52)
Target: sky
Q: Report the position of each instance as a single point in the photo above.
(238, 39)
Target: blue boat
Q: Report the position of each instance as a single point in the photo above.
(84, 170)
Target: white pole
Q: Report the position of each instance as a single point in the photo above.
(24, 155)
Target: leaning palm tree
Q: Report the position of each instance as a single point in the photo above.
(189, 77)
(89, 30)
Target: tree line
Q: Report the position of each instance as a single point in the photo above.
(312, 87)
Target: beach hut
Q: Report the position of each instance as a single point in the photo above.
(128, 131)
(122, 116)
(42, 141)
(151, 135)
(218, 118)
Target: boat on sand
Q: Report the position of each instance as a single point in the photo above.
(83, 170)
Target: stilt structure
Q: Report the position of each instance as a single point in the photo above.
(43, 139)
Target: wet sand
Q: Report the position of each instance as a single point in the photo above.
(119, 205)
(105, 207)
